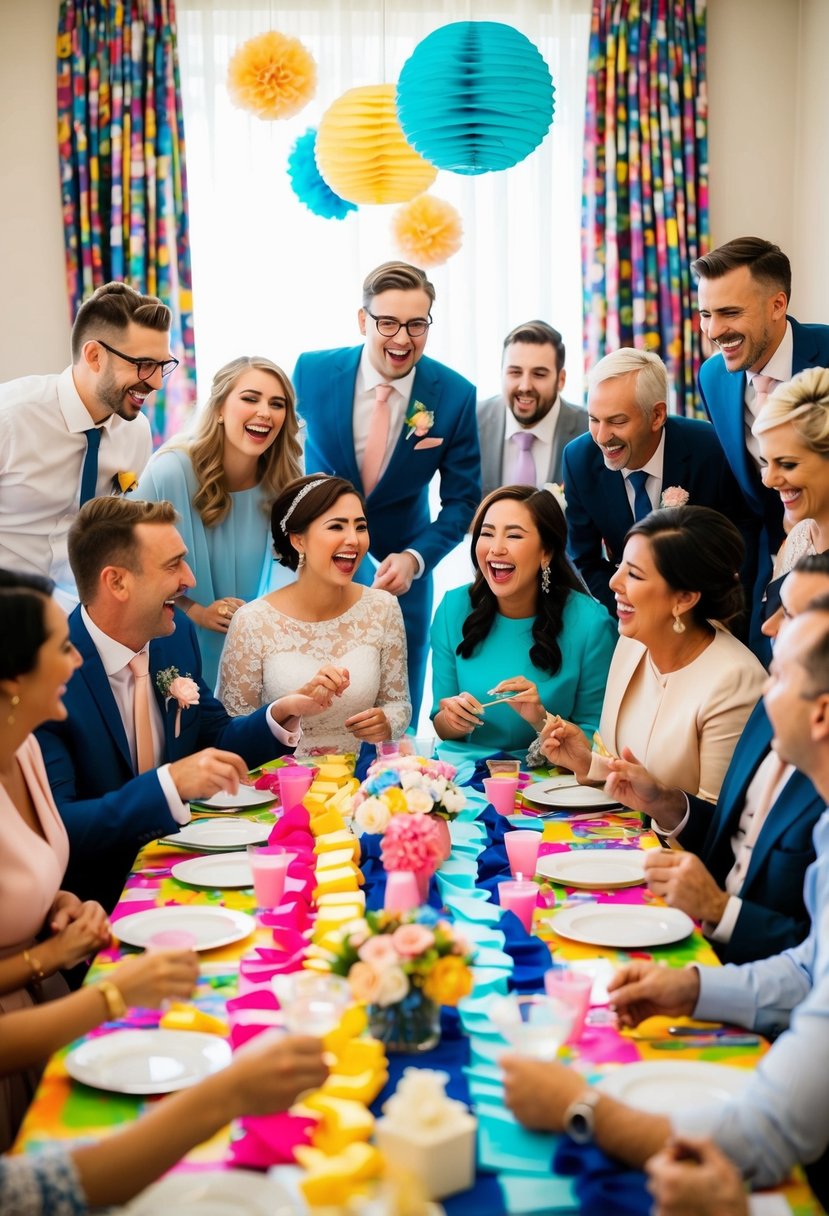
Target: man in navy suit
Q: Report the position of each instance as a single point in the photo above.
(745, 860)
(387, 417)
(633, 454)
(129, 565)
(744, 289)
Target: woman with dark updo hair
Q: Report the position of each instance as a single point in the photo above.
(342, 642)
(681, 686)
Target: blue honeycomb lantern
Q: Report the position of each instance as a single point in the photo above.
(307, 183)
(475, 97)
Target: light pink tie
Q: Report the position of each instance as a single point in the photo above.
(764, 386)
(378, 435)
(524, 473)
(144, 750)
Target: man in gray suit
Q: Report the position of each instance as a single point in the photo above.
(523, 431)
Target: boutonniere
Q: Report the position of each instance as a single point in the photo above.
(175, 687)
(420, 420)
(123, 483)
(674, 496)
(556, 488)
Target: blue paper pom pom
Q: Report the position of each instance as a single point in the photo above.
(475, 96)
(308, 185)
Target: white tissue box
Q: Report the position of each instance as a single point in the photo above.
(442, 1163)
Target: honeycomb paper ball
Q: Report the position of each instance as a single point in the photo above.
(307, 184)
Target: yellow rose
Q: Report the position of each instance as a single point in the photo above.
(127, 481)
(394, 799)
(449, 980)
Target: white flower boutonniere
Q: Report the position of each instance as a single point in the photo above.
(674, 496)
(175, 687)
(420, 420)
(557, 490)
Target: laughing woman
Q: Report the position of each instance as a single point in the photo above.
(525, 627)
(324, 632)
(223, 482)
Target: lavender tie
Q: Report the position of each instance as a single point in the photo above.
(524, 473)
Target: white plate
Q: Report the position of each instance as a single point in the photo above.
(147, 1061)
(661, 1087)
(214, 1193)
(211, 927)
(246, 798)
(622, 926)
(567, 797)
(224, 870)
(219, 835)
(594, 869)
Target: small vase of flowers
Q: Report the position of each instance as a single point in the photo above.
(405, 785)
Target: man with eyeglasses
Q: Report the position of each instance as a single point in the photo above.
(388, 418)
(70, 437)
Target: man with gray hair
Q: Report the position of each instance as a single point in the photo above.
(634, 459)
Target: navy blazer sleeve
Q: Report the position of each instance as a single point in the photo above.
(584, 540)
(460, 482)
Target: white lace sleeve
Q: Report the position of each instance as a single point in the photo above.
(393, 693)
(45, 1183)
(241, 680)
(797, 544)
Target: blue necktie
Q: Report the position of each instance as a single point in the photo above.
(641, 502)
(89, 473)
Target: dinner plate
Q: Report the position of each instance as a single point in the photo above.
(246, 798)
(663, 1086)
(211, 927)
(567, 797)
(594, 869)
(224, 870)
(219, 835)
(147, 1061)
(622, 926)
(215, 1193)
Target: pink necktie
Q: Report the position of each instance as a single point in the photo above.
(144, 750)
(378, 435)
(524, 473)
(764, 386)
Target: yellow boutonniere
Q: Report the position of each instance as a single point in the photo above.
(420, 420)
(122, 483)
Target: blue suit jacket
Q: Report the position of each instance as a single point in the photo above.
(109, 812)
(597, 504)
(398, 506)
(773, 916)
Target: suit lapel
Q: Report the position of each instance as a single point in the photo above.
(731, 425)
(751, 751)
(797, 794)
(676, 459)
(95, 678)
(341, 413)
(167, 707)
(618, 516)
(426, 389)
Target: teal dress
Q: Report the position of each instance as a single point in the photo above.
(233, 558)
(587, 641)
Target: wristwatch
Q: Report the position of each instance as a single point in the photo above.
(580, 1118)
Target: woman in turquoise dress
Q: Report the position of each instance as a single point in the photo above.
(526, 627)
(223, 482)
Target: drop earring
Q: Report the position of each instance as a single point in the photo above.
(14, 701)
(300, 561)
(545, 579)
(678, 625)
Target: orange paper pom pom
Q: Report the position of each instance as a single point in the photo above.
(427, 230)
(272, 75)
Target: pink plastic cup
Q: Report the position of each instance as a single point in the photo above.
(500, 793)
(573, 988)
(269, 866)
(522, 847)
(402, 893)
(172, 939)
(520, 897)
(294, 783)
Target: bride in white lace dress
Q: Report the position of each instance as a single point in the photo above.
(277, 643)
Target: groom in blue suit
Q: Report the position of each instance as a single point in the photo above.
(114, 797)
(387, 418)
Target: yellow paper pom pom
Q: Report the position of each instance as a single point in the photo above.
(272, 75)
(427, 230)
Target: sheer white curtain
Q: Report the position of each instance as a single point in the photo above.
(271, 278)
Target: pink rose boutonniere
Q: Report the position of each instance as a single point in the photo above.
(420, 421)
(175, 687)
(674, 496)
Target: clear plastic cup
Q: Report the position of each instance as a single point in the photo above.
(402, 891)
(500, 793)
(269, 866)
(522, 845)
(574, 988)
(294, 782)
(520, 897)
(534, 1025)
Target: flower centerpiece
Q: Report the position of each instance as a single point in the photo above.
(412, 785)
(404, 966)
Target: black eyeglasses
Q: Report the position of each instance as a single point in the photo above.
(146, 368)
(389, 326)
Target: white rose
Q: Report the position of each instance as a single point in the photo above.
(372, 815)
(411, 781)
(393, 986)
(453, 801)
(418, 802)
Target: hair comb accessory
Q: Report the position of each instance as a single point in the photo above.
(306, 489)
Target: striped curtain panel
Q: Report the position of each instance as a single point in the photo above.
(123, 180)
(645, 200)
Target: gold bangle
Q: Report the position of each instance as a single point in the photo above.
(115, 1003)
(35, 966)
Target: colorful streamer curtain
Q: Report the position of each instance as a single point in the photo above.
(123, 181)
(645, 202)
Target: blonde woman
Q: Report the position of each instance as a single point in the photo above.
(222, 482)
(792, 429)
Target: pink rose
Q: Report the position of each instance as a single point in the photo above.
(674, 496)
(412, 940)
(364, 982)
(185, 691)
(379, 951)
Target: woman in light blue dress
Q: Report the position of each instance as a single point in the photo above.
(223, 481)
(525, 627)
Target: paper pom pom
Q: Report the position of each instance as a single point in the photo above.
(427, 230)
(362, 153)
(272, 75)
(307, 184)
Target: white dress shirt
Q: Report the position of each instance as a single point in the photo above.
(779, 367)
(654, 469)
(42, 451)
(542, 449)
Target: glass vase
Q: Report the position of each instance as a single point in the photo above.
(409, 1026)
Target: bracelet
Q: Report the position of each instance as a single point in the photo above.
(36, 967)
(115, 1003)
